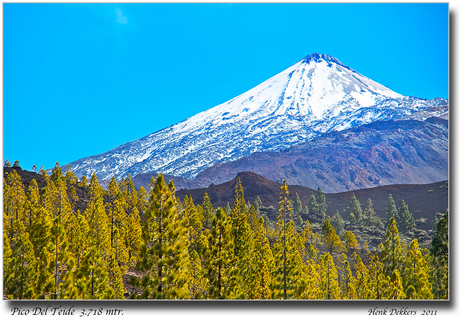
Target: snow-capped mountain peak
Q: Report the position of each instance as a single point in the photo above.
(318, 94)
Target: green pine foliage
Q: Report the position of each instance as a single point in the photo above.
(393, 252)
(164, 255)
(354, 211)
(440, 258)
(321, 203)
(390, 211)
(172, 249)
(406, 221)
(219, 258)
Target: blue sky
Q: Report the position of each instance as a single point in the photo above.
(81, 79)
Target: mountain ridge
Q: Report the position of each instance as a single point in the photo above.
(316, 95)
(379, 153)
(424, 200)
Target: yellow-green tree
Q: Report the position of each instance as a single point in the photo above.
(378, 281)
(92, 279)
(440, 258)
(415, 274)
(394, 290)
(164, 255)
(328, 284)
(348, 283)
(197, 283)
(242, 242)
(98, 222)
(14, 200)
(19, 268)
(330, 238)
(287, 253)
(117, 220)
(219, 258)
(362, 277)
(133, 236)
(207, 211)
(261, 263)
(308, 288)
(392, 253)
(349, 241)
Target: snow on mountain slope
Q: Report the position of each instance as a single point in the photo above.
(316, 95)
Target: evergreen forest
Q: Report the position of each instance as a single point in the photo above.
(139, 244)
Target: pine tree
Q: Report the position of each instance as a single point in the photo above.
(392, 253)
(440, 258)
(74, 236)
(133, 237)
(338, 223)
(44, 174)
(57, 195)
(362, 277)
(73, 198)
(219, 257)
(257, 204)
(328, 285)
(197, 284)
(377, 278)
(394, 290)
(31, 205)
(242, 241)
(370, 217)
(348, 283)
(44, 281)
(208, 211)
(16, 164)
(354, 209)
(112, 191)
(61, 261)
(297, 207)
(92, 278)
(143, 199)
(415, 274)
(390, 210)
(308, 287)
(37, 219)
(164, 255)
(80, 241)
(115, 271)
(313, 207)
(8, 273)
(321, 203)
(288, 271)
(21, 268)
(287, 252)
(83, 182)
(330, 238)
(406, 220)
(70, 177)
(98, 222)
(440, 243)
(14, 200)
(253, 218)
(261, 262)
(350, 241)
(192, 220)
(281, 244)
(297, 211)
(117, 221)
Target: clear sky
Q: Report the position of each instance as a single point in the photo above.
(80, 79)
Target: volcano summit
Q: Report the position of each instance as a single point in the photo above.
(317, 95)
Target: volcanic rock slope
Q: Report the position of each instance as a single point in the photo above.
(316, 95)
(376, 154)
